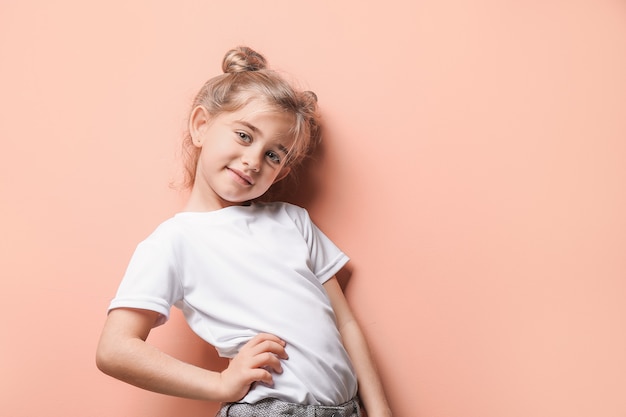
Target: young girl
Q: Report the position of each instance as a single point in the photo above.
(255, 280)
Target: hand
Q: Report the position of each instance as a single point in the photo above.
(255, 361)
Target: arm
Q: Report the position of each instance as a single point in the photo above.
(370, 387)
(124, 354)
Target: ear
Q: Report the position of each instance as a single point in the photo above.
(282, 174)
(199, 121)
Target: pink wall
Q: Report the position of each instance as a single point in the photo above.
(475, 171)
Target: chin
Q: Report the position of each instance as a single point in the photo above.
(237, 200)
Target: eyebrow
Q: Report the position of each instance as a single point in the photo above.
(249, 125)
(283, 149)
(255, 129)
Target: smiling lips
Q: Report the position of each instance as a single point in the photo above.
(240, 177)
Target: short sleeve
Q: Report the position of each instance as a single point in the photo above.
(326, 259)
(150, 282)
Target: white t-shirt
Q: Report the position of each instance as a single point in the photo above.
(243, 270)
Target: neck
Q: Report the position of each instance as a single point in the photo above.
(199, 201)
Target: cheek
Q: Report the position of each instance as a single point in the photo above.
(218, 151)
(269, 178)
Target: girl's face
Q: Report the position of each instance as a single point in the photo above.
(242, 154)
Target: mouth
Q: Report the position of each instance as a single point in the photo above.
(240, 177)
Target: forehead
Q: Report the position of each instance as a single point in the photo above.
(264, 120)
(263, 112)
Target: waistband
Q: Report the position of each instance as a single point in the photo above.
(273, 408)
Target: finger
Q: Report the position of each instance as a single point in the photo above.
(264, 346)
(268, 361)
(262, 375)
(270, 347)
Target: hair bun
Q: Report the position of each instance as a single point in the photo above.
(243, 59)
(310, 96)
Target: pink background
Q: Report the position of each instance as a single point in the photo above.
(474, 170)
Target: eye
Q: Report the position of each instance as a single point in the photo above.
(273, 156)
(244, 137)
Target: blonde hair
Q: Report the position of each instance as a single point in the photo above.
(247, 77)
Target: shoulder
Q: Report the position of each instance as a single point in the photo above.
(166, 235)
(166, 229)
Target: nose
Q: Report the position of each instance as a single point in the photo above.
(252, 159)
